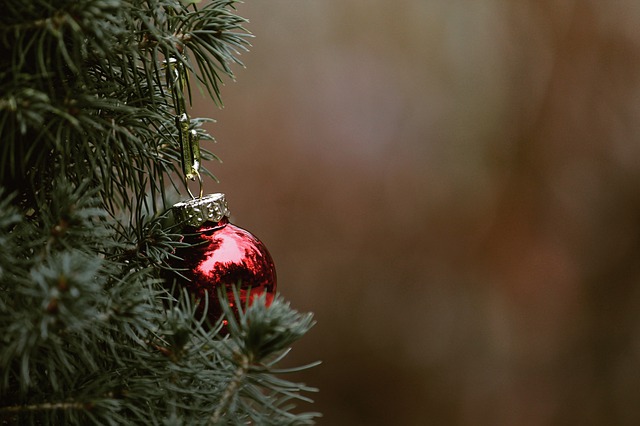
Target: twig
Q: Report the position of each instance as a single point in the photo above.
(45, 406)
(231, 390)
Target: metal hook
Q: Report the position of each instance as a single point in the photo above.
(189, 139)
(200, 183)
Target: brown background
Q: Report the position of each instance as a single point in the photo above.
(452, 186)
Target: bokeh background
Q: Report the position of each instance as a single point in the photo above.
(453, 188)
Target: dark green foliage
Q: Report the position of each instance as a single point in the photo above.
(88, 144)
(86, 80)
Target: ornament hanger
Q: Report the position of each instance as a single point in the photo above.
(189, 139)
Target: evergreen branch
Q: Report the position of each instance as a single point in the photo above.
(260, 336)
(74, 89)
(45, 406)
(231, 389)
(87, 113)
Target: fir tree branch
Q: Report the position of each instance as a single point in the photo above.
(231, 389)
(57, 20)
(89, 333)
(45, 406)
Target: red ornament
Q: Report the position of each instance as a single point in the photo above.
(220, 255)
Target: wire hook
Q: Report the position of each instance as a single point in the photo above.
(201, 192)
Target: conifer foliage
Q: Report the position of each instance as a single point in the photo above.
(89, 332)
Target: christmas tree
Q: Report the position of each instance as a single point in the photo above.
(95, 140)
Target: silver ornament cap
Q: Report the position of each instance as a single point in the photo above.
(210, 208)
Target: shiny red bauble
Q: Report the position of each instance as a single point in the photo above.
(221, 256)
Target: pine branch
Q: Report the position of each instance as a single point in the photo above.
(87, 80)
(46, 406)
(259, 339)
(89, 333)
(231, 389)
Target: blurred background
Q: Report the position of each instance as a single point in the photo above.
(453, 188)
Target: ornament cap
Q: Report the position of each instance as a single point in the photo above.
(210, 208)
